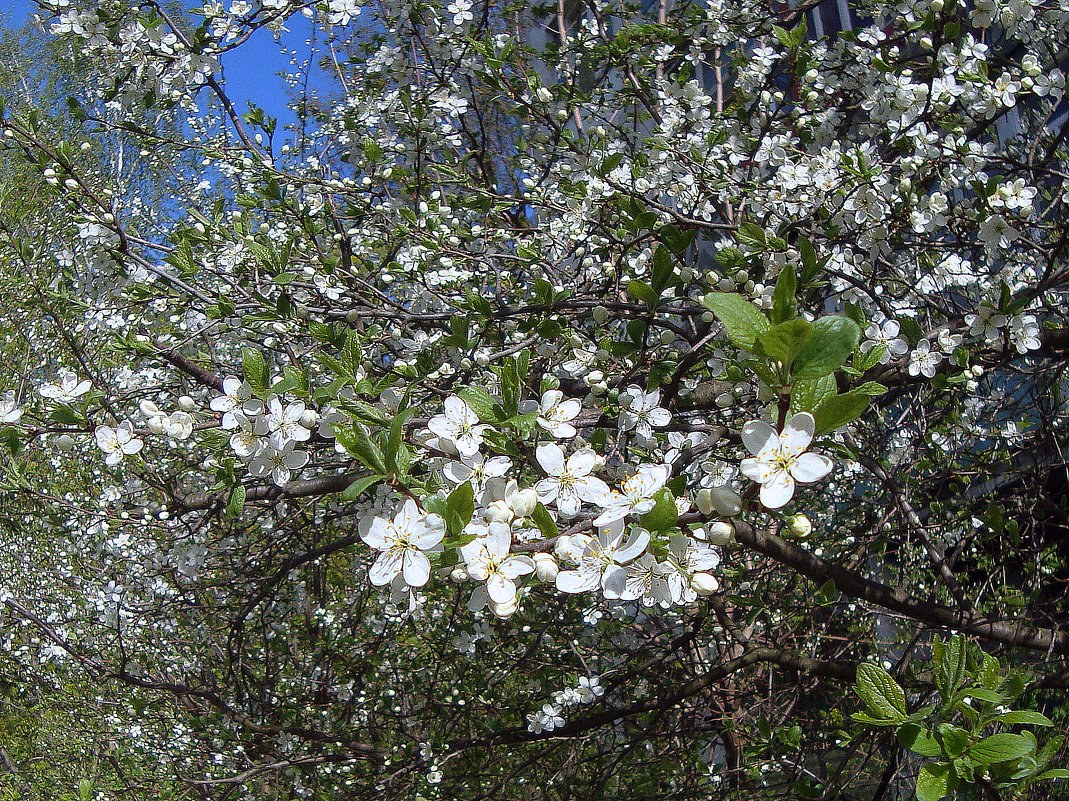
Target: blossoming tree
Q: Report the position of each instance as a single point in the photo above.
(673, 408)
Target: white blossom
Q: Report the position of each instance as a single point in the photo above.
(779, 460)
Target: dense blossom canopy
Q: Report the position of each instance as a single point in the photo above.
(566, 402)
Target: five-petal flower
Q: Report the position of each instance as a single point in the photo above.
(780, 460)
(488, 559)
(403, 541)
(569, 482)
(460, 425)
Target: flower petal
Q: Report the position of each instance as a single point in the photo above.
(385, 568)
(417, 568)
(798, 432)
(592, 490)
(635, 545)
(550, 398)
(500, 589)
(756, 434)
(498, 540)
(776, 492)
(576, 581)
(582, 462)
(752, 468)
(551, 458)
(811, 467)
(614, 582)
(516, 566)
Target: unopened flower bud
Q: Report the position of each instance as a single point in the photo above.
(65, 442)
(720, 533)
(546, 567)
(544, 94)
(522, 502)
(704, 583)
(186, 403)
(562, 547)
(797, 526)
(725, 501)
(156, 424)
(601, 314)
(459, 574)
(178, 426)
(309, 419)
(704, 502)
(498, 512)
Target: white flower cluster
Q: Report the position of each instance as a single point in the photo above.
(549, 717)
(265, 436)
(617, 561)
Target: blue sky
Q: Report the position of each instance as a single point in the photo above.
(250, 71)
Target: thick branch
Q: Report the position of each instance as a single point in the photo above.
(1019, 634)
(324, 485)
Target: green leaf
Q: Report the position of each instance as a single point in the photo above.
(479, 401)
(236, 502)
(11, 438)
(360, 446)
(955, 739)
(664, 515)
(784, 341)
(918, 740)
(357, 488)
(870, 358)
(397, 432)
(610, 163)
(541, 518)
(1055, 773)
(1026, 717)
(642, 291)
(836, 411)
(861, 717)
(254, 368)
(834, 339)
(990, 696)
(880, 692)
(1001, 748)
(784, 306)
(752, 234)
(827, 592)
(810, 265)
(511, 380)
(730, 258)
(663, 269)
(459, 507)
(933, 782)
(949, 664)
(871, 388)
(742, 321)
(808, 394)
